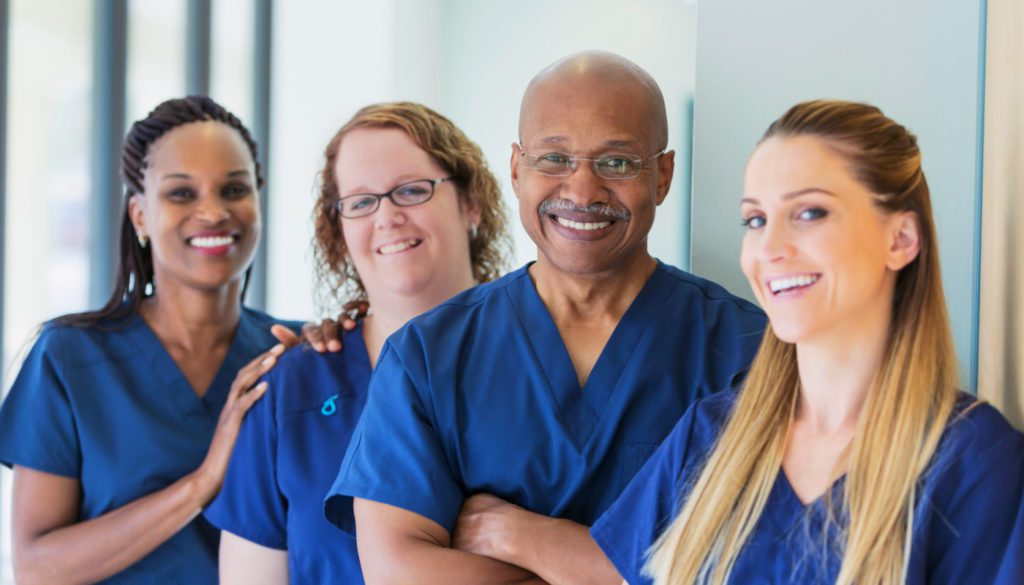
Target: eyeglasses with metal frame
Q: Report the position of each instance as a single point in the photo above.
(405, 195)
(607, 166)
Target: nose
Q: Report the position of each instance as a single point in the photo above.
(388, 215)
(583, 187)
(212, 208)
(775, 242)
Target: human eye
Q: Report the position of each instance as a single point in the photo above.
(236, 190)
(356, 204)
(412, 191)
(180, 194)
(554, 160)
(616, 164)
(753, 222)
(811, 214)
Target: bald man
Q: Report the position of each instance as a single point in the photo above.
(501, 424)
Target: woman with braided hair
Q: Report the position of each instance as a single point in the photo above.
(121, 421)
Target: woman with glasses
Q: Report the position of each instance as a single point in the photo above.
(408, 215)
(121, 420)
(849, 455)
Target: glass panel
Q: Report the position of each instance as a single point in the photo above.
(156, 55)
(47, 231)
(232, 56)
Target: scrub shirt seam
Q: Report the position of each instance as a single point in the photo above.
(735, 301)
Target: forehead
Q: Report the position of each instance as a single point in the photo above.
(374, 159)
(783, 165)
(586, 115)
(196, 146)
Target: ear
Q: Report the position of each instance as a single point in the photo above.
(517, 154)
(666, 167)
(905, 242)
(136, 214)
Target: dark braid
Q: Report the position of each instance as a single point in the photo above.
(134, 278)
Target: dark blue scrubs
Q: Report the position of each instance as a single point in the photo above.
(287, 455)
(479, 395)
(112, 410)
(968, 520)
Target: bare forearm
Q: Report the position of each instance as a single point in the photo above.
(427, 563)
(99, 548)
(562, 552)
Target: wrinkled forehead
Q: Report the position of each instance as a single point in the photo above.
(587, 114)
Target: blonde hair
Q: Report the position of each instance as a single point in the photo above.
(336, 277)
(908, 404)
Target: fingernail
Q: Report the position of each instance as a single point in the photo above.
(261, 386)
(268, 361)
(277, 349)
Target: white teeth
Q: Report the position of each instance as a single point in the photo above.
(400, 246)
(582, 226)
(211, 241)
(782, 284)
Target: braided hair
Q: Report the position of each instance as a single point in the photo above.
(134, 277)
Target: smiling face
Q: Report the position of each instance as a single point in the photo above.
(584, 223)
(199, 207)
(403, 251)
(820, 256)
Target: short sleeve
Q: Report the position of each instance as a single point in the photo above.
(977, 533)
(250, 504)
(396, 455)
(632, 524)
(37, 422)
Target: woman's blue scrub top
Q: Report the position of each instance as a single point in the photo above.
(287, 455)
(479, 395)
(968, 521)
(111, 409)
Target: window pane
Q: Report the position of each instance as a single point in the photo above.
(232, 57)
(47, 229)
(156, 55)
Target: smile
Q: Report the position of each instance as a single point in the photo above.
(398, 246)
(792, 283)
(584, 226)
(206, 242)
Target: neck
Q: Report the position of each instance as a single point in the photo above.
(392, 311)
(192, 319)
(583, 296)
(838, 368)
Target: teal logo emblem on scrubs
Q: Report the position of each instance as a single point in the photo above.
(330, 406)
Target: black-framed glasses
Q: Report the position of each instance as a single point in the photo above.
(404, 195)
(607, 166)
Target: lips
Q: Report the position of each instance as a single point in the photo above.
(792, 283)
(399, 246)
(212, 244)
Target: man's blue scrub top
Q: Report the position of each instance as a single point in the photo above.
(287, 456)
(968, 521)
(479, 395)
(111, 409)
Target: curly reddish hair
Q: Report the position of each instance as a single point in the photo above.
(336, 281)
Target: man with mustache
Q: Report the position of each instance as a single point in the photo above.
(503, 423)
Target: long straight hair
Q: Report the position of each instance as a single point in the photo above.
(907, 408)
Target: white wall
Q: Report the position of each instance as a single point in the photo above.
(469, 60)
(916, 59)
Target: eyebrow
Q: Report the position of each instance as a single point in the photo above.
(232, 174)
(792, 195)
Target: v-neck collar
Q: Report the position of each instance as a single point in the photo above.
(168, 376)
(581, 408)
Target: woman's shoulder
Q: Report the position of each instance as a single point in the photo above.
(976, 427)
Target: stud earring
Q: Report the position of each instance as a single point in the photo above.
(472, 231)
(143, 241)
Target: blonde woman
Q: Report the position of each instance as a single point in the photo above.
(848, 456)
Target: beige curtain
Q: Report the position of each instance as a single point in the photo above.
(1001, 322)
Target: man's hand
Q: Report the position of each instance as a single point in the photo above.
(491, 527)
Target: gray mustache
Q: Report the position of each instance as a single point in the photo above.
(604, 209)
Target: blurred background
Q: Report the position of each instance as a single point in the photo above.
(75, 73)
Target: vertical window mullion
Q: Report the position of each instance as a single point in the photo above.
(257, 296)
(197, 47)
(109, 73)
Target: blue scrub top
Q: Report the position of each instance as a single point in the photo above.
(287, 455)
(111, 409)
(479, 395)
(968, 520)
